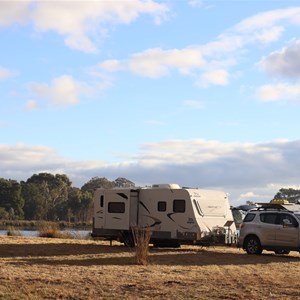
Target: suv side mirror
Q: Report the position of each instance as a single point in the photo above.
(288, 223)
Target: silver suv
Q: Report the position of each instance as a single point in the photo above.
(271, 227)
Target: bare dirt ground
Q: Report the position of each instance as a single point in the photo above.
(40, 268)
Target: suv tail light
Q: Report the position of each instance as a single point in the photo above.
(242, 225)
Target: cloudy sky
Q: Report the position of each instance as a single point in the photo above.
(199, 93)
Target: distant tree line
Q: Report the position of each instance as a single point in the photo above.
(292, 195)
(45, 196)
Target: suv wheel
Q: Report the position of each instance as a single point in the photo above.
(253, 246)
(282, 251)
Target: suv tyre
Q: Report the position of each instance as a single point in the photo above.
(252, 245)
(282, 251)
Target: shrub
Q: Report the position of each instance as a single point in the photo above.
(141, 237)
(81, 236)
(3, 214)
(49, 230)
(11, 231)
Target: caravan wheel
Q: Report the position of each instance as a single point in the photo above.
(127, 239)
(166, 244)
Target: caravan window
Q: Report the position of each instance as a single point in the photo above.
(116, 207)
(179, 206)
(101, 200)
(162, 206)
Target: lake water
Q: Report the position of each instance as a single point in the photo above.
(80, 234)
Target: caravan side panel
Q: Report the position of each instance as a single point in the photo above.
(214, 216)
(115, 210)
(212, 209)
(168, 213)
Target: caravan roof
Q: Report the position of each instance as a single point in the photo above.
(166, 186)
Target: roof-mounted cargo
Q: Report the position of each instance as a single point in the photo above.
(280, 201)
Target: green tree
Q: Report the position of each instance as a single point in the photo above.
(79, 205)
(87, 205)
(290, 194)
(54, 189)
(4, 215)
(11, 199)
(123, 182)
(36, 198)
(97, 182)
(102, 182)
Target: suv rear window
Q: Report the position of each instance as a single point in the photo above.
(249, 217)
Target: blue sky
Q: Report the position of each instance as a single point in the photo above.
(199, 93)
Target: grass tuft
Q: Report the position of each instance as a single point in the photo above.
(11, 231)
(141, 237)
(49, 230)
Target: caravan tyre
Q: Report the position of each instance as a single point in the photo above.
(127, 239)
(168, 244)
(253, 246)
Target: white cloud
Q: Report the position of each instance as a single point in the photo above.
(225, 43)
(278, 92)
(269, 35)
(269, 19)
(13, 12)
(193, 104)
(21, 161)
(80, 42)
(204, 151)
(80, 22)
(249, 195)
(31, 105)
(112, 65)
(254, 170)
(284, 63)
(63, 91)
(157, 62)
(4, 124)
(153, 122)
(6, 73)
(210, 62)
(195, 3)
(216, 77)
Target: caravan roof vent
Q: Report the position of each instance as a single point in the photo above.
(170, 186)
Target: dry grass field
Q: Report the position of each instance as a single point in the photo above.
(42, 268)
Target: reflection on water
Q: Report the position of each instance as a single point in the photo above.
(34, 233)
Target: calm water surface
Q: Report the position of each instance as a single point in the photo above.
(35, 233)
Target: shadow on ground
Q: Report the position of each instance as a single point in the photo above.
(94, 254)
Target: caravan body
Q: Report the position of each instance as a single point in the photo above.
(174, 215)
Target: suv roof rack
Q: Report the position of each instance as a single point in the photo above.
(271, 206)
(290, 207)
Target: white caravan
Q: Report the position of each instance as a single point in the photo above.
(174, 215)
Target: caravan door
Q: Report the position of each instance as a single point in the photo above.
(120, 209)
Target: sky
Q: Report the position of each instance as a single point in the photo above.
(199, 93)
